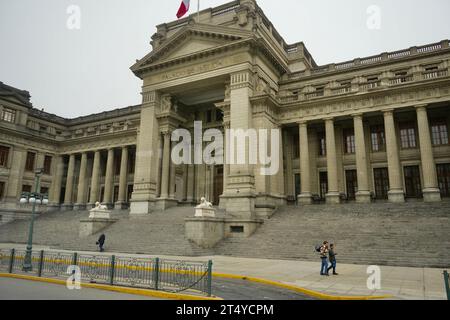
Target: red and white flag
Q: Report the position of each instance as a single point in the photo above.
(184, 8)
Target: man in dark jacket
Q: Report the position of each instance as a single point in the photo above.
(101, 242)
(332, 254)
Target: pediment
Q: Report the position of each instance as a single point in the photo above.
(189, 41)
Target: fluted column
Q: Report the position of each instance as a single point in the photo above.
(81, 192)
(166, 167)
(173, 181)
(68, 204)
(363, 194)
(95, 179)
(431, 192)
(121, 201)
(108, 200)
(396, 193)
(305, 169)
(56, 182)
(333, 189)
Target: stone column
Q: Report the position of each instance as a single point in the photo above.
(333, 189)
(146, 171)
(95, 182)
(289, 179)
(363, 194)
(191, 184)
(68, 204)
(121, 201)
(17, 168)
(165, 175)
(173, 179)
(81, 194)
(240, 196)
(431, 192)
(396, 193)
(109, 179)
(185, 182)
(305, 197)
(54, 201)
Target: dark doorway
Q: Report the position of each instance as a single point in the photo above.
(381, 177)
(351, 179)
(298, 188)
(323, 179)
(413, 186)
(129, 192)
(218, 184)
(62, 195)
(443, 172)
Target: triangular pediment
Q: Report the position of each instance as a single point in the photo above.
(191, 40)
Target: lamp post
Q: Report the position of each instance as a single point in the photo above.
(35, 199)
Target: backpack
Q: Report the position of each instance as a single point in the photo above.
(317, 248)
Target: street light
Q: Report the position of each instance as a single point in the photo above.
(34, 198)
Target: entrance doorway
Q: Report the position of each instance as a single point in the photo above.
(323, 179)
(381, 179)
(413, 186)
(218, 184)
(443, 172)
(351, 179)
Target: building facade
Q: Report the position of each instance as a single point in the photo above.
(370, 129)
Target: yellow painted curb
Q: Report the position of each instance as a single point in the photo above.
(308, 292)
(133, 291)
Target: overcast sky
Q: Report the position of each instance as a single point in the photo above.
(78, 72)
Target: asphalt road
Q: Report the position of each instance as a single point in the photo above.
(246, 290)
(16, 289)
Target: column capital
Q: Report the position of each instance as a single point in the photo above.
(388, 111)
(328, 119)
(421, 107)
(302, 123)
(358, 115)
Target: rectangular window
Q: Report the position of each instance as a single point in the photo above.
(47, 165)
(439, 133)
(408, 136)
(381, 177)
(322, 144)
(219, 115)
(131, 162)
(2, 189)
(378, 138)
(117, 164)
(44, 190)
(4, 154)
(9, 115)
(208, 116)
(351, 180)
(296, 146)
(443, 173)
(349, 141)
(29, 165)
(413, 186)
(26, 188)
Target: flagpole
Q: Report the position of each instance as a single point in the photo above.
(198, 11)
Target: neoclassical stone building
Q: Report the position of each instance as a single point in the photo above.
(370, 129)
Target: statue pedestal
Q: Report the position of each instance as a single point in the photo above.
(205, 212)
(99, 219)
(99, 214)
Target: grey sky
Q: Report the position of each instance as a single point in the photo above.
(78, 72)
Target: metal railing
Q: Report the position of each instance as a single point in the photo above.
(447, 284)
(144, 273)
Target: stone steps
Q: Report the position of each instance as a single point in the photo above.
(409, 234)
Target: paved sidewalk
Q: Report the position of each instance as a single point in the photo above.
(400, 282)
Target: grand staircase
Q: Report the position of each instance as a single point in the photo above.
(411, 234)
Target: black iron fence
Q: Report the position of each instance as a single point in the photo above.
(145, 273)
(447, 284)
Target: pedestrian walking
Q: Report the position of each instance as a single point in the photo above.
(101, 242)
(324, 258)
(332, 255)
